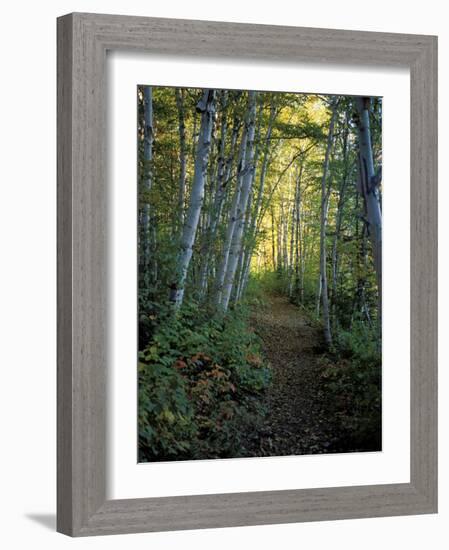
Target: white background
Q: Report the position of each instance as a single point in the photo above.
(27, 300)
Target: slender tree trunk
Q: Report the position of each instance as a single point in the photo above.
(239, 275)
(220, 189)
(285, 217)
(323, 225)
(318, 294)
(245, 254)
(182, 153)
(303, 233)
(223, 191)
(338, 220)
(250, 216)
(335, 256)
(246, 249)
(206, 108)
(298, 247)
(258, 204)
(221, 275)
(243, 281)
(294, 238)
(263, 172)
(148, 158)
(273, 240)
(360, 308)
(279, 255)
(248, 178)
(369, 184)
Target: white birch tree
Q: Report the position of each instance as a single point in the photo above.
(148, 157)
(219, 187)
(206, 107)
(253, 229)
(232, 220)
(179, 94)
(369, 183)
(248, 177)
(323, 286)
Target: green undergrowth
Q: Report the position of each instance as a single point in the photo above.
(201, 383)
(260, 287)
(353, 379)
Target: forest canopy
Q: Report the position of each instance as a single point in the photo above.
(245, 196)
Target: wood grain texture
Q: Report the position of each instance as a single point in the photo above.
(83, 40)
(423, 274)
(64, 277)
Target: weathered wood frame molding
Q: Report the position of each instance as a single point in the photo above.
(83, 40)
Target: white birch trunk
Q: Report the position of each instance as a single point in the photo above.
(182, 153)
(246, 248)
(219, 193)
(303, 231)
(297, 228)
(206, 108)
(148, 157)
(323, 225)
(369, 183)
(273, 240)
(232, 221)
(257, 208)
(243, 279)
(248, 178)
(291, 277)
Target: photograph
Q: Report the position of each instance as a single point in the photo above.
(259, 273)
(221, 247)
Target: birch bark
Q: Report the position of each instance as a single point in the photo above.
(248, 178)
(182, 152)
(323, 224)
(369, 184)
(232, 221)
(339, 218)
(206, 108)
(260, 193)
(297, 230)
(219, 193)
(148, 157)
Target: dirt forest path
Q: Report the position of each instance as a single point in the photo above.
(296, 422)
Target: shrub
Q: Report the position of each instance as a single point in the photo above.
(354, 381)
(201, 382)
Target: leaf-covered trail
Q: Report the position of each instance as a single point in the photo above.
(296, 422)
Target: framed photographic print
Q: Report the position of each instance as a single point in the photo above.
(246, 274)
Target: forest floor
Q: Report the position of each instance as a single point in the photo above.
(298, 419)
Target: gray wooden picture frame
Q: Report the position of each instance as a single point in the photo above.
(83, 40)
